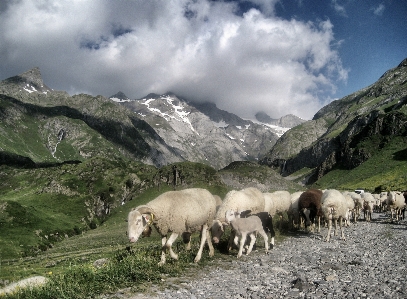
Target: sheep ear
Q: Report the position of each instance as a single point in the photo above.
(147, 217)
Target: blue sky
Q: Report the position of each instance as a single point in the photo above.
(276, 56)
(372, 35)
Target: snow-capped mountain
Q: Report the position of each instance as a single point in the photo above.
(202, 132)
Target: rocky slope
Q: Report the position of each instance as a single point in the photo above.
(332, 138)
(47, 126)
(202, 132)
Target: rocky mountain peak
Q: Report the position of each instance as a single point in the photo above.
(263, 117)
(119, 97)
(287, 121)
(33, 77)
(403, 63)
(30, 81)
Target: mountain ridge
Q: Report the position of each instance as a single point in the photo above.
(183, 132)
(337, 135)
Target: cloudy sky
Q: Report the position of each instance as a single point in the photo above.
(277, 56)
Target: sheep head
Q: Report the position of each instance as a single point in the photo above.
(139, 221)
(217, 230)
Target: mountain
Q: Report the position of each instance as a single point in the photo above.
(42, 125)
(200, 132)
(287, 121)
(39, 125)
(348, 132)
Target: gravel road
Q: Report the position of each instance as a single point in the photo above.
(371, 263)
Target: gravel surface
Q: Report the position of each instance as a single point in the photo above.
(371, 263)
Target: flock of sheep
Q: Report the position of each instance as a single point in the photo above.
(249, 212)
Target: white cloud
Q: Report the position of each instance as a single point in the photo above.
(202, 50)
(378, 10)
(340, 9)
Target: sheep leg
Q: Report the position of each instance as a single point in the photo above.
(319, 224)
(280, 224)
(233, 239)
(203, 240)
(168, 245)
(163, 250)
(242, 241)
(328, 236)
(266, 241)
(342, 228)
(336, 227)
(272, 242)
(252, 241)
(209, 241)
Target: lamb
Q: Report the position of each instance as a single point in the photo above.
(396, 203)
(266, 221)
(334, 207)
(309, 205)
(246, 226)
(249, 199)
(175, 212)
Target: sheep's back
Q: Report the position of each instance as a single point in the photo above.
(249, 224)
(334, 198)
(310, 198)
(246, 199)
(189, 209)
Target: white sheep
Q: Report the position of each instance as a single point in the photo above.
(248, 199)
(334, 207)
(175, 212)
(368, 205)
(350, 205)
(246, 226)
(357, 199)
(293, 211)
(395, 203)
(383, 201)
(277, 203)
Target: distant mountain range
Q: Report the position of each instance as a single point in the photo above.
(201, 132)
(41, 125)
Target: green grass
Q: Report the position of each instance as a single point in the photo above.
(72, 274)
(385, 170)
(68, 262)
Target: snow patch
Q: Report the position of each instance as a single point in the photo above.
(221, 124)
(230, 136)
(120, 100)
(177, 114)
(27, 88)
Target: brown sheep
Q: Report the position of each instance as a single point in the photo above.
(309, 206)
